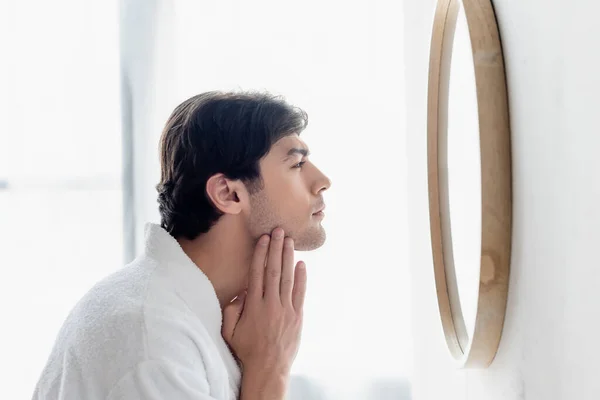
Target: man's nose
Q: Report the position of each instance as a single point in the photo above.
(323, 183)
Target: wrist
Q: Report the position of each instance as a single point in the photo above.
(264, 383)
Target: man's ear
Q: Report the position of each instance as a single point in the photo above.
(225, 193)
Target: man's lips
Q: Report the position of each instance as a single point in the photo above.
(320, 209)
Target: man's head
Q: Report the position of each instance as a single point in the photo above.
(239, 156)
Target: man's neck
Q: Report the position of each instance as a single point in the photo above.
(224, 255)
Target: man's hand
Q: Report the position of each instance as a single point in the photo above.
(263, 327)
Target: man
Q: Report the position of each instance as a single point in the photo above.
(212, 309)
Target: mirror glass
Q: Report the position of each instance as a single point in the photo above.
(462, 186)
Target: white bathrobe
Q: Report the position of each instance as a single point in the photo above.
(150, 331)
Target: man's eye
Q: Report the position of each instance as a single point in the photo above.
(299, 165)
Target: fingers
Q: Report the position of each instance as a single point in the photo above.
(256, 274)
(287, 271)
(273, 270)
(231, 316)
(299, 290)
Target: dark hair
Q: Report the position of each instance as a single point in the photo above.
(216, 132)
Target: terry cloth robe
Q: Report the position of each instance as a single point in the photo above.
(150, 331)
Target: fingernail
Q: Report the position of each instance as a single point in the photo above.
(264, 240)
(278, 233)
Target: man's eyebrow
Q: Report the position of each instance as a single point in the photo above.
(298, 150)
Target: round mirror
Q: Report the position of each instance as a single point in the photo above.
(460, 184)
(469, 178)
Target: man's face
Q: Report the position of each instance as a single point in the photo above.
(292, 195)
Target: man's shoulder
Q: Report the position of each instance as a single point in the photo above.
(122, 304)
(111, 309)
(127, 319)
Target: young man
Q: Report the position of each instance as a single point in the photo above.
(212, 309)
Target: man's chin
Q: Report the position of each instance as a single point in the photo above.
(312, 242)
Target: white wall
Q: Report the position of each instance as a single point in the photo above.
(550, 347)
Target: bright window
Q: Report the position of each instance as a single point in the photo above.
(60, 172)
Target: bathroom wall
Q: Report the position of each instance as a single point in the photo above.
(551, 341)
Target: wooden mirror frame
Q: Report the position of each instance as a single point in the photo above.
(479, 350)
